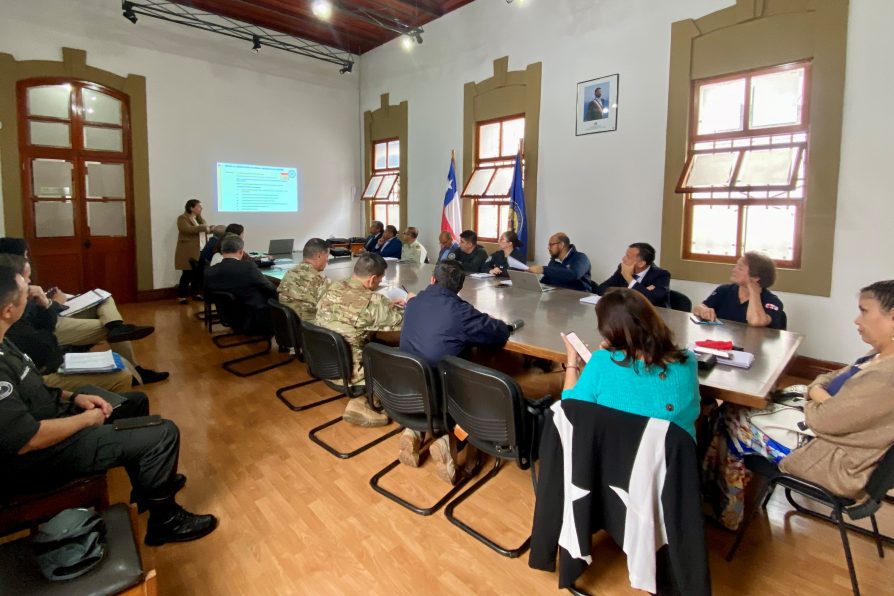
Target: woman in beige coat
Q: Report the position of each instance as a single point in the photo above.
(191, 230)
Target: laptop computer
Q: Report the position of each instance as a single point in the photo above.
(281, 249)
(528, 281)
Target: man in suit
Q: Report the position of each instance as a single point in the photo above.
(390, 245)
(446, 245)
(567, 267)
(376, 229)
(639, 272)
(245, 281)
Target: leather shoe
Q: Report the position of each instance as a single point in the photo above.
(178, 525)
(126, 332)
(151, 376)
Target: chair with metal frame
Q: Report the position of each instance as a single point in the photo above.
(287, 331)
(679, 301)
(233, 315)
(490, 407)
(206, 315)
(328, 358)
(880, 482)
(410, 394)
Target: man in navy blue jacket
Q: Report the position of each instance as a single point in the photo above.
(390, 246)
(639, 272)
(376, 229)
(567, 267)
(438, 323)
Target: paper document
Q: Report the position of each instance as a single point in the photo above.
(516, 264)
(393, 293)
(736, 358)
(481, 275)
(90, 362)
(84, 301)
(395, 259)
(591, 299)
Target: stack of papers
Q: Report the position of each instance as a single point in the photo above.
(84, 301)
(91, 362)
(591, 299)
(516, 264)
(481, 275)
(393, 293)
(736, 358)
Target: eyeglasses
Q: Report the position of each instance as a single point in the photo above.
(554, 243)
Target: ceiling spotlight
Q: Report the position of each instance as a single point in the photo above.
(407, 42)
(322, 9)
(348, 67)
(256, 43)
(128, 13)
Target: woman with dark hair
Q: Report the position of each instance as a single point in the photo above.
(191, 231)
(498, 262)
(638, 368)
(747, 299)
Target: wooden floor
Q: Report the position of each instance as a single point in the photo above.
(296, 520)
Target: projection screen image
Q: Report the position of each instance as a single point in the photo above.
(258, 189)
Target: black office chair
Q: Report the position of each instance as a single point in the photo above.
(880, 482)
(490, 407)
(409, 392)
(233, 315)
(287, 331)
(679, 301)
(328, 358)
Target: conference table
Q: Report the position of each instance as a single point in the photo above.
(549, 313)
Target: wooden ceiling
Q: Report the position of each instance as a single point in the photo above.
(345, 30)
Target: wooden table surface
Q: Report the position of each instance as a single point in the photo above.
(547, 314)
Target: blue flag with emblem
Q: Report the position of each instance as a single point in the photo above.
(517, 220)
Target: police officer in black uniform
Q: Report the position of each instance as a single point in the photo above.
(49, 436)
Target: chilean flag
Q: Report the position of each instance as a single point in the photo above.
(451, 216)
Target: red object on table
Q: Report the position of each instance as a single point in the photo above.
(715, 344)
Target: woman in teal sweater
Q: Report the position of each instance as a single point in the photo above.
(637, 369)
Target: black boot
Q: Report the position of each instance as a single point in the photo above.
(169, 522)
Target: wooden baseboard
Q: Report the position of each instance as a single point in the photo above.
(157, 294)
(810, 368)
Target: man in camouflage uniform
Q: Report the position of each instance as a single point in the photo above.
(353, 309)
(412, 249)
(304, 284)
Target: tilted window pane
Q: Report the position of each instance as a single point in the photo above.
(53, 219)
(381, 156)
(51, 178)
(394, 195)
(478, 182)
(488, 221)
(105, 180)
(763, 167)
(771, 230)
(711, 169)
(513, 133)
(107, 218)
(385, 187)
(53, 101)
(502, 181)
(372, 187)
(720, 107)
(394, 154)
(103, 139)
(714, 230)
(489, 141)
(49, 134)
(99, 107)
(776, 98)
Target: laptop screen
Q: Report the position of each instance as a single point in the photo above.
(281, 247)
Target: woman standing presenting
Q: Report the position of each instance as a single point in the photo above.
(191, 230)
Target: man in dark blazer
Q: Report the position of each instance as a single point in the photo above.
(391, 246)
(638, 271)
(245, 281)
(376, 229)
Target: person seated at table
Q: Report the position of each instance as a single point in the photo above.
(49, 436)
(439, 323)
(376, 229)
(353, 309)
(303, 285)
(245, 281)
(637, 367)
(498, 262)
(236, 230)
(469, 253)
(639, 272)
(747, 299)
(211, 246)
(93, 325)
(567, 268)
(850, 411)
(389, 244)
(412, 249)
(446, 245)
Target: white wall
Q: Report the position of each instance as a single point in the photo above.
(212, 99)
(605, 190)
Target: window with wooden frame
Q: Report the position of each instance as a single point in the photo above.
(744, 181)
(497, 142)
(383, 186)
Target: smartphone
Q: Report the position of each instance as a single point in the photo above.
(137, 422)
(700, 321)
(582, 350)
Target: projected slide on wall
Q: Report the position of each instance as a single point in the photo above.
(246, 187)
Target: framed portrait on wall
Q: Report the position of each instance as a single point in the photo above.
(597, 105)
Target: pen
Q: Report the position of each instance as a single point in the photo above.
(404, 288)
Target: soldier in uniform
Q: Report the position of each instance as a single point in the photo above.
(412, 249)
(303, 285)
(49, 436)
(353, 309)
